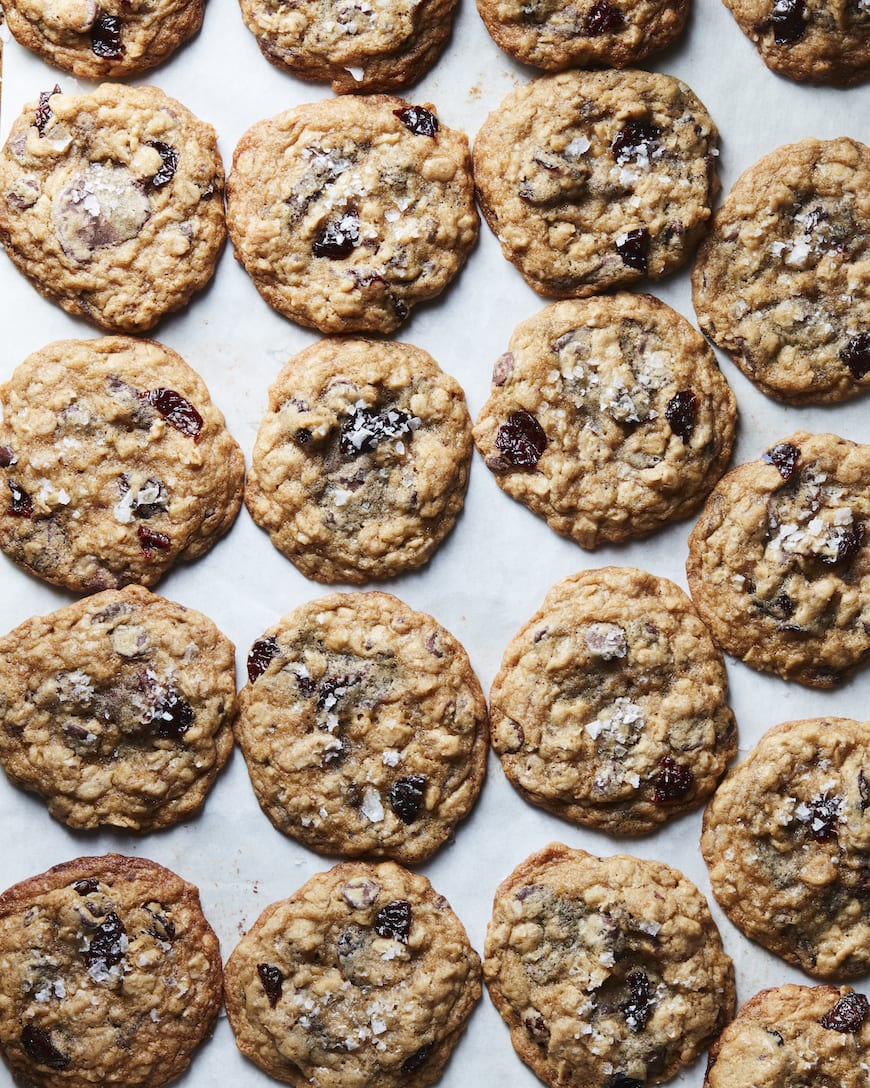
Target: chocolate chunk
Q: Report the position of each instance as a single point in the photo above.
(261, 653)
(272, 978)
(39, 1046)
(22, 504)
(173, 717)
(637, 1007)
(537, 1029)
(824, 814)
(7, 457)
(366, 427)
(86, 887)
(635, 140)
(787, 20)
(420, 121)
(418, 1059)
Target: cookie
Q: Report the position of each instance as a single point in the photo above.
(608, 971)
(109, 974)
(360, 467)
(610, 705)
(146, 474)
(593, 180)
(608, 417)
(364, 976)
(110, 203)
(117, 710)
(785, 839)
(355, 47)
(105, 41)
(782, 282)
(779, 562)
(363, 728)
(553, 34)
(812, 41)
(793, 1035)
(349, 211)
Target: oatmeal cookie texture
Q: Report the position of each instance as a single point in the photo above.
(592, 180)
(793, 1035)
(779, 563)
(785, 839)
(117, 710)
(360, 466)
(364, 976)
(348, 211)
(363, 728)
(110, 203)
(114, 463)
(608, 971)
(109, 975)
(608, 417)
(610, 705)
(782, 282)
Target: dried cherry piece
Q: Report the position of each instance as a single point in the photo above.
(418, 1059)
(150, 540)
(43, 110)
(173, 717)
(637, 1007)
(856, 355)
(176, 410)
(259, 656)
(634, 249)
(86, 887)
(406, 797)
(338, 238)
(7, 457)
(39, 1046)
(108, 944)
(169, 157)
(106, 37)
(603, 18)
(682, 413)
(785, 457)
(824, 814)
(673, 781)
(848, 1015)
(272, 978)
(634, 137)
(22, 504)
(365, 427)
(850, 544)
(538, 1030)
(420, 121)
(394, 920)
(787, 20)
(521, 439)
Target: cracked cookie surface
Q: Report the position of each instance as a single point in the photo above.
(109, 974)
(363, 728)
(779, 562)
(360, 467)
(110, 203)
(117, 710)
(363, 976)
(610, 705)
(782, 282)
(608, 971)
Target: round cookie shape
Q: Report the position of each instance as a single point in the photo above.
(363, 727)
(779, 562)
(554, 35)
(610, 705)
(110, 203)
(110, 975)
(594, 180)
(148, 473)
(360, 467)
(785, 839)
(117, 709)
(794, 1035)
(358, 48)
(348, 211)
(608, 417)
(107, 40)
(781, 282)
(363, 976)
(608, 971)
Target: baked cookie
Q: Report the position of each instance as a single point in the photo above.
(779, 562)
(592, 180)
(554, 34)
(355, 47)
(109, 974)
(813, 41)
(785, 839)
(794, 1035)
(610, 705)
(360, 466)
(364, 976)
(114, 464)
(608, 418)
(363, 728)
(117, 710)
(348, 211)
(608, 971)
(782, 282)
(110, 203)
(104, 41)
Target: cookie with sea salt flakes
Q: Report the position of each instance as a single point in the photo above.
(608, 417)
(610, 708)
(360, 466)
(608, 971)
(785, 839)
(782, 282)
(349, 211)
(363, 727)
(779, 562)
(114, 464)
(593, 180)
(109, 974)
(363, 976)
(117, 709)
(110, 203)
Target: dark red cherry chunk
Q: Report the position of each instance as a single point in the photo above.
(634, 249)
(603, 18)
(22, 504)
(420, 121)
(338, 238)
(106, 37)
(521, 439)
(169, 157)
(681, 413)
(851, 542)
(787, 20)
(637, 1007)
(43, 110)
(418, 1059)
(634, 137)
(394, 920)
(406, 797)
(272, 978)
(7, 456)
(673, 781)
(856, 355)
(107, 946)
(848, 1015)
(824, 814)
(173, 717)
(178, 412)
(39, 1046)
(261, 653)
(86, 887)
(151, 541)
(785, 457)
